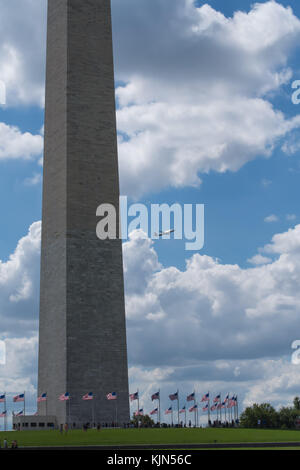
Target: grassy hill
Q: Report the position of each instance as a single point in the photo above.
(113, 437)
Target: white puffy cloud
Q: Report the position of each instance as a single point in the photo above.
(19, 286)
(259, 259)
(17, 145)
(22, 50)
(197, 87)
(271, 218)
(210, 326)
(215, 326)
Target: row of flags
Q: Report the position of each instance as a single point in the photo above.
(217, 403)
(86, 397)
(16, 399)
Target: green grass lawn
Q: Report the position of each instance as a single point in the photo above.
(148, 436)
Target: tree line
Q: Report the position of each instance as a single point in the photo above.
(265, 416)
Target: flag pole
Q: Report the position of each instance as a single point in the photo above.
(5, 417)
(24, 404)
(178, 405)
(237, 408)
(116, 400)
(138, 410)
(195, 410)
(159, 405)
(93, 414)
(208, 414)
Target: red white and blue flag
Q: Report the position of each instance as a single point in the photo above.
(213, 407)
(205, 408)
(183, 410)
(155, 396)
(193, 408)
(232, 402)
(111, 396)
(205, 397)
(139, 413)
(64, 397)
(88, 396)
(134, 396)
(173, 396)
(217, 398)
(168, 411)
(191, 397)
(42, 397)
(3, 414)
(2, 398)
(20, 413)
(227, 398)
(154, 412)
(18, 398)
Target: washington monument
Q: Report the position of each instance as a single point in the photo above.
(82, 345)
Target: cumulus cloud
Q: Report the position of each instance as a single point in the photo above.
(19, 286)
(16, 145)
(195, 97)
(210, 326)
(229, 326)
(259, 259)
(22, 50)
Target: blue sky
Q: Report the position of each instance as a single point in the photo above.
(204, 102)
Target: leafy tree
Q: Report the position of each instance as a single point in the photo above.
(288, 417)
(146, 421)
(297, 403)
(265, 413)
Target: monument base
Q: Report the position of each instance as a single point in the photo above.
(34, 423)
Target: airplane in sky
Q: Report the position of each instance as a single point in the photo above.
(167, 232)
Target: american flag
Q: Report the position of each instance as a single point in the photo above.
(191, 397)
(134, 396)
(193, 408)
(111, 396)
(43, 397)
(219, 406)
(139, 413)
(205, 407)
(232, 402)
(205, 397)
(227, 398)
(20, 413)
(223, 404)
(168, 411)
(155, 396)
(173, 396)
(64, 397)
(3, 414)
(18, 398)
(154, 412)
(213, 407)
(217, 398)
(88, 396)
(183, 410)
(2, 398)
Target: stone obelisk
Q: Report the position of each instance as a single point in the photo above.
(82, 342)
